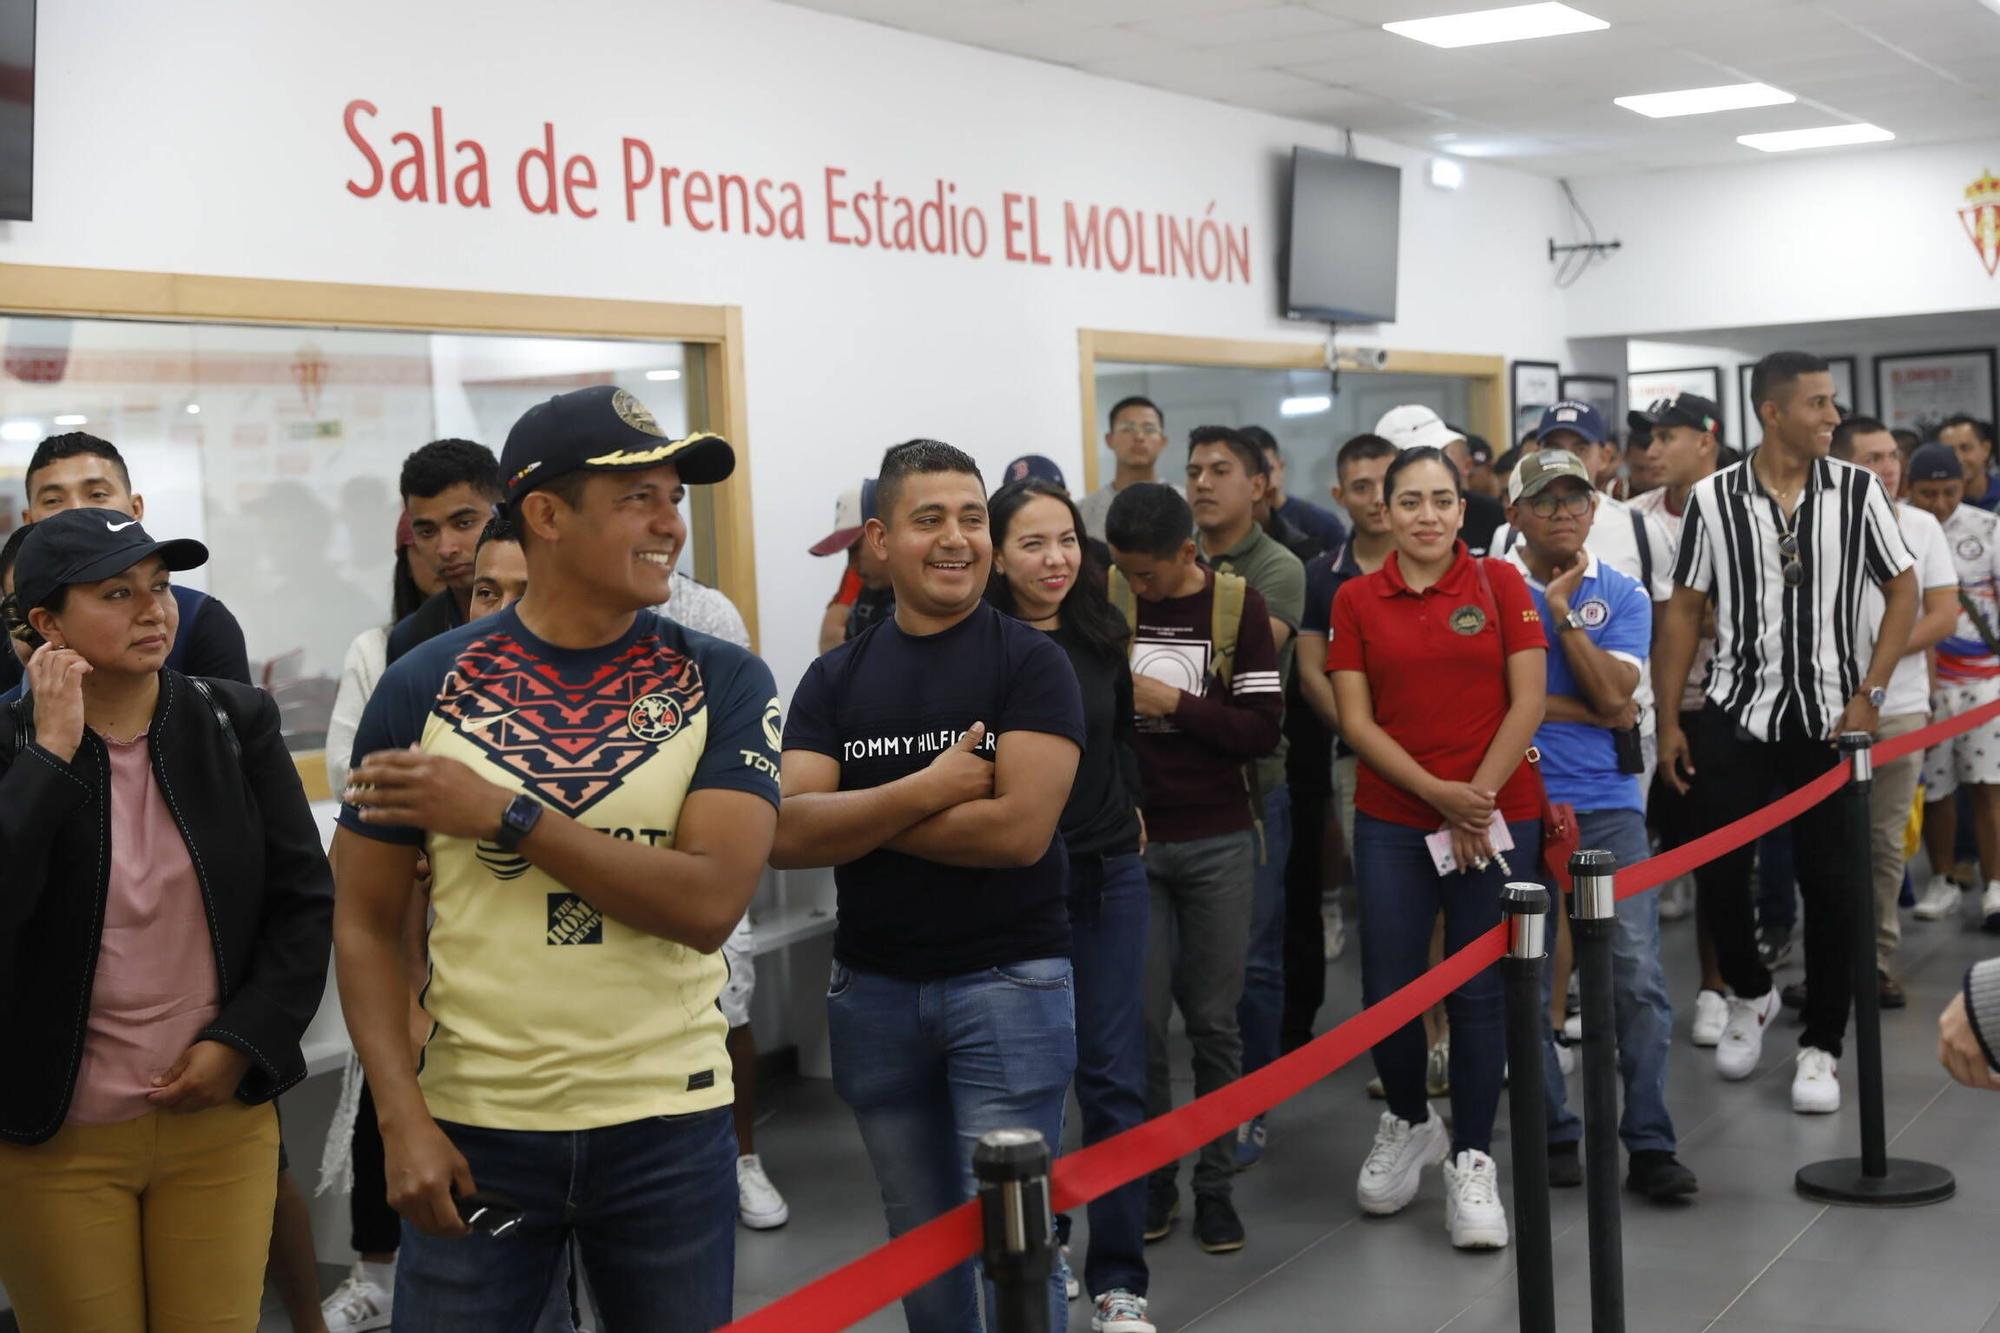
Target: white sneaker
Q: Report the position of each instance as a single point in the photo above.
(1565, 1058)
(1335, 921)
(1711, 1011)
(357, 1305)
(1816, 1085)
(1742, 1043)
(1390, 1176)
(1677, 899)
(758, 1202)
(1119, 1311)
(1573, 1026)
(1989, 907)
(1940, 900)
(1071, 1287)
(1472, 1210)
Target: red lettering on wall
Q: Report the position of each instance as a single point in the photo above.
(374, 186)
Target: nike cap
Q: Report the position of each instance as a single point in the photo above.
(87, 545)
(603, 429)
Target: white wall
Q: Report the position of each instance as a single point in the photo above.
(1835, 236)
(207, 138)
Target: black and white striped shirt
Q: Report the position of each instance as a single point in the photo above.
(1789, 651)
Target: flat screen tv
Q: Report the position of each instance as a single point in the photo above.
(1340, 247)
(17, 109)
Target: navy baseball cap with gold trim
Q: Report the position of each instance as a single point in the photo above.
(1683, 409)
(87, 546)
(603, 429)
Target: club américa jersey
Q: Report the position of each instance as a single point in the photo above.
(546, 1014)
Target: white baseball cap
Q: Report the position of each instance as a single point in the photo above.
(1414, 426)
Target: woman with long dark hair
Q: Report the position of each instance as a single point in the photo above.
(1437, 661)
(1045, 574)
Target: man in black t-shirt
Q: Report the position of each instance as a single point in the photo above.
(928, 761)
(450, 489)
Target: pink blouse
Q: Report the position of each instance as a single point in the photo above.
(156, 985)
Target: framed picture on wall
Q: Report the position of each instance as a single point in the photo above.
(1918, 390)
(1645, 387)
(1534, 385)
(1601, 392)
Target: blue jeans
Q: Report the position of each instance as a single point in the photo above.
(1645, 1017)
(928, 1067)
(1260, 1015)
(1108, 944)
(1401, 895)
(652, 1204)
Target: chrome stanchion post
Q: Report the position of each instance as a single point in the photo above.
(1874, 1178)
(1526, 910)
(1018, 1226)
(1593, 922)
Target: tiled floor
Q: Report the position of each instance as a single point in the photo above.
(1748, 1255)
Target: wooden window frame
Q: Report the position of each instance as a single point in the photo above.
(712, 334)
(1487, 374)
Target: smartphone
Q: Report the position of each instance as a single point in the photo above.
(488, 1214)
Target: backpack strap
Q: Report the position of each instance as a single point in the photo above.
(1225, 622)
(1122, 597)
(1645, 551)
(208, 696)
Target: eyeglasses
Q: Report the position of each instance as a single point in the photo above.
(1575, 504)
(1146, 432)
(1794, 569)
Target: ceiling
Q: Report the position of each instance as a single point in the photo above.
(1923, 69)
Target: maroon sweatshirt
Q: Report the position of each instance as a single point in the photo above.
(1192, 762)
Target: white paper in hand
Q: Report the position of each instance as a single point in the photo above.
(1497, 835)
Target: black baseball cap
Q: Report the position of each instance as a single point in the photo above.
(1932, 462)
(1683, 409)
(86, 545)
(603, 429)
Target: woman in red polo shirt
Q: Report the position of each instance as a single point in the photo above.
(1437, 666)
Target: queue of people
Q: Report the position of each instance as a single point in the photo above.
(1074, 763)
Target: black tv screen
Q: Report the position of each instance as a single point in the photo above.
(1341, 246)
(17, 109)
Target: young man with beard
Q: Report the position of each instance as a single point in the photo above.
(1137, 438)
(1227, 480)
(1599, 624)
(1972, 440)
(596, 789)
(1968, 675)
(450, 489)
(1359, 467)
(1784, 545)
(1867, 443)
(928, 761)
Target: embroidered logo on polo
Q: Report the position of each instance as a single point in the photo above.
(570, 743)
(1468, 620)
(1593, 613)
(1971, 548)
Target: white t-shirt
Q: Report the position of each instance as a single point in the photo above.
(1910, 686)
(1653, 504)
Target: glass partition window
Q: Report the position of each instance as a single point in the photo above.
(281, 448)
(1300, 407)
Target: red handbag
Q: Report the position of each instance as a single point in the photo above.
(1560, 835)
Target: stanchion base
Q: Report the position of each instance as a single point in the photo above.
(1907, 1185)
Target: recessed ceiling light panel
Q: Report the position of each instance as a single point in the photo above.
(1702, 101)
(1485, 26)
(1826, 136)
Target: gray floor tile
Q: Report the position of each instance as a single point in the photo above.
(1815, 1293)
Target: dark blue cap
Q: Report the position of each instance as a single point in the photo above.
(1573, 414)
(1936, 461)
(1034, 465)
